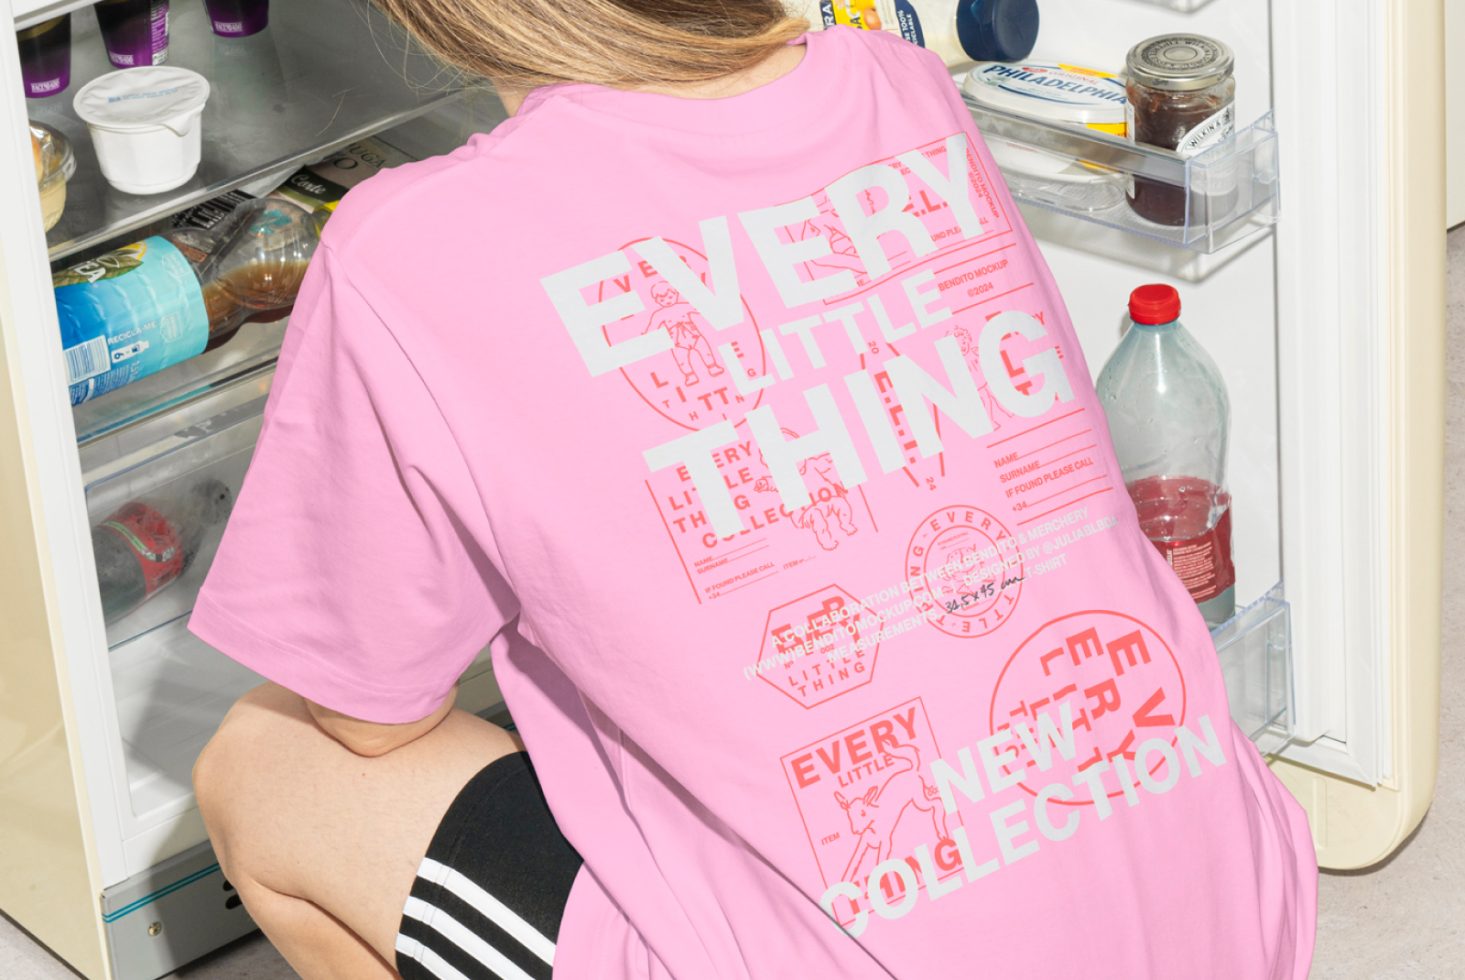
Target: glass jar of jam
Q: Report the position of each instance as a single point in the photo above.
(1182, 98)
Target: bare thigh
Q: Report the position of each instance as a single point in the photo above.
(295, 811)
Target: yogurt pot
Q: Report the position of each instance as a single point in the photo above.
(1053, 92)
(145, 125)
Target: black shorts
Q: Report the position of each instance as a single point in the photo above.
(491, 890)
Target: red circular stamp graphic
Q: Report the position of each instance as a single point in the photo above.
(691, 383)
(1117, 677)
(965, 570)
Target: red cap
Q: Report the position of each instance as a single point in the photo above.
(1154, 303)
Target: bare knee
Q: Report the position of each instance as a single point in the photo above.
(223, 771)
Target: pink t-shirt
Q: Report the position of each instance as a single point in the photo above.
(754, 438)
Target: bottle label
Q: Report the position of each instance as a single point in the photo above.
(896, 16)
(1203, 562)
(1210, 131)
(128, 314)
(152, 541)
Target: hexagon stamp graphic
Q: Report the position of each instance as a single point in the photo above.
(818, 646)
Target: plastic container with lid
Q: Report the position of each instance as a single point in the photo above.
(145, 125)
(960, 31)
(55, 164)
(1051, 92)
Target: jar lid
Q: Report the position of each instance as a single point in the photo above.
(148, 97)
(1179, 62)
(997, 30)
(1048, 90)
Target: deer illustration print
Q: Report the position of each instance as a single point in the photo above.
(874, 816)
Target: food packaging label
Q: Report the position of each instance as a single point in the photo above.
(127, 314)
(324, 183)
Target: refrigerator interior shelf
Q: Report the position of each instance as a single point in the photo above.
(1223, 195)
(253, 352)
(249, 355)
(1255, 649)
(31, 12)
(313, 81)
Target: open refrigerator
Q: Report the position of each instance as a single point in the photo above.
(1319, 295)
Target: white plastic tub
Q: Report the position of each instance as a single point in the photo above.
(145, 125)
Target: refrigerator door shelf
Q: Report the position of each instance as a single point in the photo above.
(1255, 650)
(280, 98)
(1085, 174)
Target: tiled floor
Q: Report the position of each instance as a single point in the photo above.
(1403, 921)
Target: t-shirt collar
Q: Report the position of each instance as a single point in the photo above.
(768, 106)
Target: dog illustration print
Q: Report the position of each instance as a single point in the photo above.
(828, 508)
(874, 817)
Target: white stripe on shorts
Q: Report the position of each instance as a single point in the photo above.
(462, 937)
(488, 906)
(431, 962)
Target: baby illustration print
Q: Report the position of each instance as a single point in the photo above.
(866, 800)
(994, 409)
(679, 319)
(687, 380)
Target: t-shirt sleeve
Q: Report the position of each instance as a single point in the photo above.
(352, 569)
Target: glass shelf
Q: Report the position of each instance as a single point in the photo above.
(314, 80)
(254, 350)
(1255, 649)
(250, 354)
(1085, 174)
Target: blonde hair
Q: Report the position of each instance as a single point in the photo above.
(619, 43)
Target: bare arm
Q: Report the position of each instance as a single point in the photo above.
(371, 738)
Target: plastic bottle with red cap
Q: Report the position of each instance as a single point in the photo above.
(1168, 415)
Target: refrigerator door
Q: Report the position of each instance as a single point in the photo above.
(1360, 301)
(1330, 336)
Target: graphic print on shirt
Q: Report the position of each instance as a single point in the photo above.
(818, 646)
(788, 420)
(968, 343)
(688, 383)
(865, 799)
(967, 570)
(774, 536)
(1119, 679)
(1047, 468)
